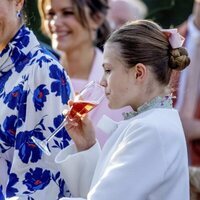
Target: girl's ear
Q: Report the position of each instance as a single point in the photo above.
(140, 71)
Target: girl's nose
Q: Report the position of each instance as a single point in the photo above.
(103, 82)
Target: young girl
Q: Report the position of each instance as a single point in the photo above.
(145, 158)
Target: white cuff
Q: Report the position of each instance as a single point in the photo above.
(78, 168)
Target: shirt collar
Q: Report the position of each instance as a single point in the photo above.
(21, 44)
(157, 102)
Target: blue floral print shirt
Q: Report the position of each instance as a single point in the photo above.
(34, 90)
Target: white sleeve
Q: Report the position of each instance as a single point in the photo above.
(134, 169)
(78, 168)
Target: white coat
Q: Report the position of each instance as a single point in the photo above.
(144, 159)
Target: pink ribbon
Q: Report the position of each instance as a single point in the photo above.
(175, 39)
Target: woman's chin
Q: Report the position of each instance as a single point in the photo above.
(58, 46)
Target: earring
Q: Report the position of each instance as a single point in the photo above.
(19, 14)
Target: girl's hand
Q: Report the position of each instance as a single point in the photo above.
(80, 130)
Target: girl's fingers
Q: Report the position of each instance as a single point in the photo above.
(65, 112)
(73, 123)
(70, 103)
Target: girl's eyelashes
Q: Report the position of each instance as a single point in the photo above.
(106, 68)
(107, 71)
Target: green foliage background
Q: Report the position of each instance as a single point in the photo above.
(168, 13)
(33, 19)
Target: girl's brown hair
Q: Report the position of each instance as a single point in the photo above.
(144, 42)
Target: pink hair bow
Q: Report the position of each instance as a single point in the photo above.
(175, 39)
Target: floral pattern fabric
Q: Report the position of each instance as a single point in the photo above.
(34, 90)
